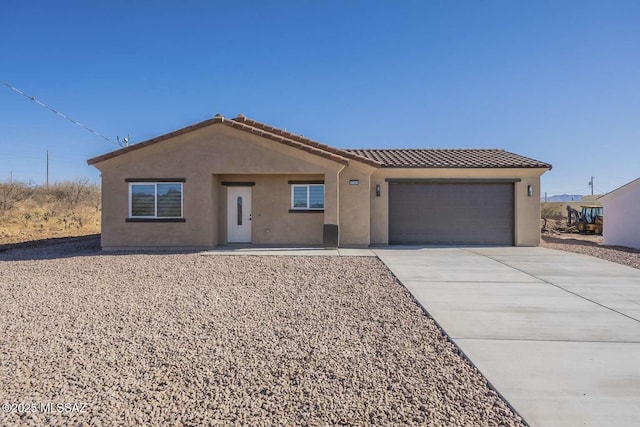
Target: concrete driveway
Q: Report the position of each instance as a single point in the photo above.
(556, 333)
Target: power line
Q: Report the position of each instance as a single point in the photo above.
(64, 116)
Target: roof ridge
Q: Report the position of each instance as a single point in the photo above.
(241, 118)
(218, 118)
(376, 157)
(289, 141)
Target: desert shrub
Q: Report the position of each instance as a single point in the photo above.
(12, 193)
(70, 194)
(546, 213)
(66, 208)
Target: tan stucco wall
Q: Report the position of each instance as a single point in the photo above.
(527, 209)
(355, 212)
(208, 156)
(197, 231)
(201, 157)
(272, 223)
(527, 212)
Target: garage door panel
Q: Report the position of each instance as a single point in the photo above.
(451, 213)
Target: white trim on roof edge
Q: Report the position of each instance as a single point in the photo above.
(625, 186)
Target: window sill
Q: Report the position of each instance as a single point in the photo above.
(155, 220)
(305, 210)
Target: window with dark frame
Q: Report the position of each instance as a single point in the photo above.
(307, 196)
(155, 199)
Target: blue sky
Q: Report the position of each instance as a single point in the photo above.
(558, 81)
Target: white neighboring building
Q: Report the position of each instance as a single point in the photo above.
(621, 216)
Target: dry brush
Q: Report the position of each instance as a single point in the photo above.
(31, 212)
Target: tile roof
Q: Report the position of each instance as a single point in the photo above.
(300, 138)
(449, 158)
(391, 158)
(116, 153)
(287, 139)
(281, 137)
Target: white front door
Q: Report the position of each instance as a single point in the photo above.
(238, 214)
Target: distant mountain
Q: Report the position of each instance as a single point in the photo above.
(565, 198)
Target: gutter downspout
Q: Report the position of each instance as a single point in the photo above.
(331, 232)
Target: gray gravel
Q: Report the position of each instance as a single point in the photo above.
(186, 339)
(592, 246)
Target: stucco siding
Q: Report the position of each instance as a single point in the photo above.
(201, 158)
(272, 223)
(620, 212)
(197, 230)
(207, 157)
(355, 201)
(526, 209)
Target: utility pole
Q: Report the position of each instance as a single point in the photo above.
(47, 169)
(545, 197)
(591, 185)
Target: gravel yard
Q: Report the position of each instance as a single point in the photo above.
(187, 339)
(588, 244)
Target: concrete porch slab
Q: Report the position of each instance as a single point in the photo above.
(283, 251)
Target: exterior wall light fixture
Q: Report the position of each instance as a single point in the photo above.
(530, 190)
(377, 190)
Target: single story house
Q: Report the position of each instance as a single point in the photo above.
(621, 207)
(238, 181)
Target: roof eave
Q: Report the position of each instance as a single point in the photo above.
(620, 189)
(237, 125)
(304, 140)
(124, 150)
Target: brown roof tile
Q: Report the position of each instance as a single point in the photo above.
(310, 148)
(449, 158)
(344, 153)
(266, 133)
(391, 158)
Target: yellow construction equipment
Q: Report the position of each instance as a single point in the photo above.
(589, 219)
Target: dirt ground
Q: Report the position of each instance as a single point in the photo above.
(10, 234)
(63, 209)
